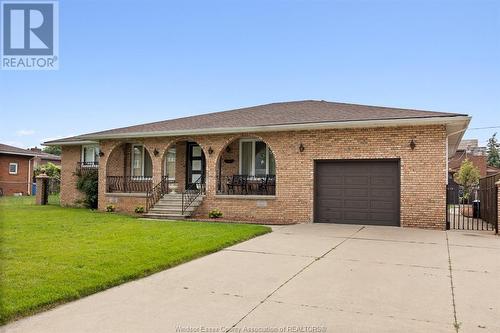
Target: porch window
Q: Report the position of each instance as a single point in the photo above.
(142, 166)
(170, 163)
(90, 154)
(256, 159)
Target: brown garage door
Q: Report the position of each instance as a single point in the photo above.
(357, 192)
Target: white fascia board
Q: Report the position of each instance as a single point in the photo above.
(287, 127)
(70, 143)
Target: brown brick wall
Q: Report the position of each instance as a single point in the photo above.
(423, 170)
(70, 196)
(19, 182)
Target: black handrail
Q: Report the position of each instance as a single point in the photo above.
(193, 191)
(156, 193)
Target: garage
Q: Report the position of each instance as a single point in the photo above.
(357, 192)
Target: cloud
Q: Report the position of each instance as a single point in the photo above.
(25, 132)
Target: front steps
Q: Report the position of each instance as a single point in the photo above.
(170, 207)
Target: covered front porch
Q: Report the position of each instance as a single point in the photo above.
(244, 167)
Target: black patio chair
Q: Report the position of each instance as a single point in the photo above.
(237, 182)
(268, 184)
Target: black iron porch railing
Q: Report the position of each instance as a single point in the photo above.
(157, 192)
(129, 184)
(247, 185)
(83, 167)
(192, 192)
(88, 164)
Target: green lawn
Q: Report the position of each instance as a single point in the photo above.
(50, 254)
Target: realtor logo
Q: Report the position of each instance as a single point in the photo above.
(29, 35)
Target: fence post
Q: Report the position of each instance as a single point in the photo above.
(42, 189)
(497, 203)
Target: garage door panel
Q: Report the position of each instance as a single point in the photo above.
(331, 203)
(356, 180)
(332, 180)
(357, 192)
(383, 205)
(383, 181)
(358, 204)
(383, 193)
(330, 192)
(383, 217)
(356, 215)
(332, 215)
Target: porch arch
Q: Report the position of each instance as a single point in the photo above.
(232, 167)
(129, 168)
(179, 161)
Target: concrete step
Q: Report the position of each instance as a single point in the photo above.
(165, 216)
(161, 210)
(170, 207)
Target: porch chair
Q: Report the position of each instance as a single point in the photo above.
(268, 184)
(237, 181)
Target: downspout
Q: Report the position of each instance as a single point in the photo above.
(29, 174)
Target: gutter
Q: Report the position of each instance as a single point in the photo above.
(271, 128)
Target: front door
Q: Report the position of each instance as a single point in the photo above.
(195, 163)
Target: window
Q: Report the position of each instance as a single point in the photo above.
(256, 159)
(142, 166)
(90, 154)
(13, 168)
(170, 163)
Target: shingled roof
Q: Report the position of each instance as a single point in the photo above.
(11, 150)
(265, 116)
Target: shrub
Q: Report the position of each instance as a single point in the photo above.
(51, 170)
(110, 208)
(139, 209)
(215, 213)
(87, 183)
(468, 176)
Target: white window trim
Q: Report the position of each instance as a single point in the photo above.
(132, 161)
(166, 158)
(94, 147)
(17, 168)
(252, 171)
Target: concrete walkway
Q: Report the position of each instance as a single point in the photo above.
(314, 278)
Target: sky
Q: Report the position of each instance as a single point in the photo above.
(130, 62)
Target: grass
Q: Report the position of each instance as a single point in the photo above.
(50, 255)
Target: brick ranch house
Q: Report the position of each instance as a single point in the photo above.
(291, 162)
(16, 168)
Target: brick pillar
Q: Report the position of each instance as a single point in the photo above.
(42, 189)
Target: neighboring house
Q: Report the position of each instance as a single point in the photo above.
(16, 169)
(292, 162)
(469, 149)
(17, 165)
(44, 158)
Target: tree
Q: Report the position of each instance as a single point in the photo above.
(468, 177)
(51, 170)
(492, 149)
(56, 150)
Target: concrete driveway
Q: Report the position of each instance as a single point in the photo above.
(307, 278)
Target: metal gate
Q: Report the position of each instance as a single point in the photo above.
(478, 212)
